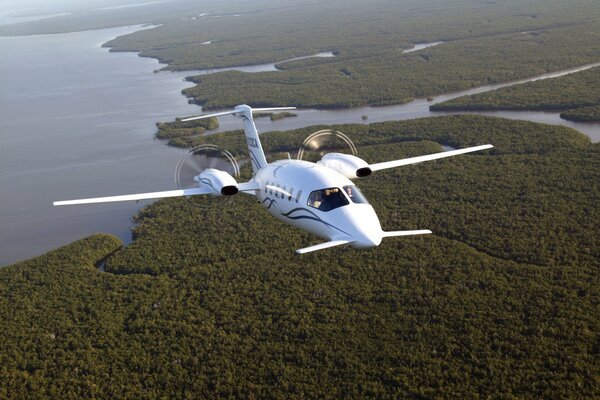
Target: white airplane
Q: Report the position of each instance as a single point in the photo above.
(317, 197)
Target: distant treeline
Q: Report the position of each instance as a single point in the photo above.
(211, 302)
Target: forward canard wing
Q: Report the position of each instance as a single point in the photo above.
(334, 243)
(322, 246)
(406, 233)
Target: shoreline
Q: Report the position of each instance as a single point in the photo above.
(91, 122)
(359, 109)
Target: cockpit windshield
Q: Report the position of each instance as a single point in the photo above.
(327, 199)
(355, 195)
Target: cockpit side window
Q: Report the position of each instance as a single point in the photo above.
(355, 195)
(327, 199)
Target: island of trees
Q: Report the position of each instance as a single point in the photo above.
(274, 116)
(177, 128)
(578, 94)
(582, 114)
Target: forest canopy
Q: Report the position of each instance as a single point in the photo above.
(210, 301)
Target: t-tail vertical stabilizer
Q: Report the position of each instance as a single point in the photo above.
(255, 150)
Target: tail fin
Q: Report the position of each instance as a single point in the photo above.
(257, 155)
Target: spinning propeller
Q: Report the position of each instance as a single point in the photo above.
(200, 159)
(319, 143)
(207, 156)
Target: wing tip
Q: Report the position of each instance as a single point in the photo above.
(322, 246)
(63, 203)
(407, 233)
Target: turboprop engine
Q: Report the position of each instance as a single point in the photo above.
(348, 165)
(219, 181)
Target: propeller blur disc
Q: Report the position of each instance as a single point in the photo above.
(319, 143)
(199, 159)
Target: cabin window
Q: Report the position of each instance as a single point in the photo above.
(290, 194)
(298, 196)
(355, 195)
(327, 199)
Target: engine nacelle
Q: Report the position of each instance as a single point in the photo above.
(220, 182)
(348, 165)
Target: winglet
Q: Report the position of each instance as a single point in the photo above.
(322, 246)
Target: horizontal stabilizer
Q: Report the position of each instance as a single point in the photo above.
(209, 115)
(429, 157)
(139, 196)
(322, 246)
(235, 111)
(273, 109)
(406, 233)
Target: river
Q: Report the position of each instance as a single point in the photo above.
(419, 108)
(78, 121)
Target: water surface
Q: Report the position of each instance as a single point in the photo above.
(78, 121)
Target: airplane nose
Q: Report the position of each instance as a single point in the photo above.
(364, 226)
(369, 239)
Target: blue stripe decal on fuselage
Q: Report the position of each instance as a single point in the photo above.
(272, 201)
(313, 217)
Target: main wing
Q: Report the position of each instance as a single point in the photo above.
(138, 196)
(246, 187)
(429, 157)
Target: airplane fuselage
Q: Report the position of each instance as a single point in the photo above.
(319, 200)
